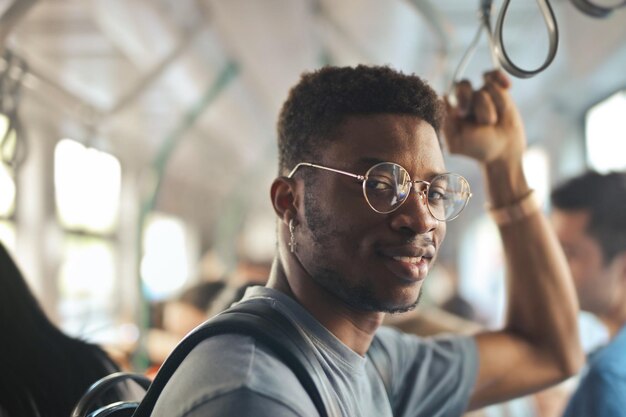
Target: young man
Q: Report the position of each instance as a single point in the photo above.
(589, 216)
(362, 200)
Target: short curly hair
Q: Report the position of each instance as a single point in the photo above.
(323, 99)
(604, 196)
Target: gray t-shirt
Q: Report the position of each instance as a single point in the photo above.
(232, 375)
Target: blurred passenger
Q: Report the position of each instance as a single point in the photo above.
(459, 306)
(247, 273)
(250, 271)
(231, 295)
(589, 215)
(43, 372)
(454, 302)
(179, 316)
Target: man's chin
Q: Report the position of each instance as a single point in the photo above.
(408, 303)
(401, 308)
(385, 306)
(367, 299)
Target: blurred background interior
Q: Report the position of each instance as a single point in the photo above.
(138, 140)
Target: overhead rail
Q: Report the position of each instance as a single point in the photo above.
(156, 71)
(90, 114)
(87, 113)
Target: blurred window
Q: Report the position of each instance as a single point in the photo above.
(7, 234)
(606, 134)
(87, 187)
(87, 280)
(87, 194)
(7, 195)
(481, 271)
(537, 171)
(165, 263)
(7, 207)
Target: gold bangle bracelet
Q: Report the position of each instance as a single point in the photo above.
(524, 207)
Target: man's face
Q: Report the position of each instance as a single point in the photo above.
(592, 277)
(371, 261)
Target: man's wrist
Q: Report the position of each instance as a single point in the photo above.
(505, 182)
(525, 207)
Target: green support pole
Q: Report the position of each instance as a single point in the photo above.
(159, 166)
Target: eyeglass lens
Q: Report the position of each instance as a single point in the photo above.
(388, 185)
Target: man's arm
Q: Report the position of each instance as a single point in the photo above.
(539, 344)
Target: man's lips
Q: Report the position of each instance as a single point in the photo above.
(408, 253)
(408, 259)
(408, 263)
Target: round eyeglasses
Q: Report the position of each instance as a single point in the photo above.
(386, 186)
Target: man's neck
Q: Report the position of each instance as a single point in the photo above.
(354, 328)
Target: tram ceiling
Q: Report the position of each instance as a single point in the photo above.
(129, 71)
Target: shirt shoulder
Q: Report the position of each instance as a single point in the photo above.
(225, 368)
(611, 359)
(601, 393)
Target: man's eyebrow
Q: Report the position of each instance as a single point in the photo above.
(369, 160)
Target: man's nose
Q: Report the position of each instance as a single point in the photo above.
(413, 216)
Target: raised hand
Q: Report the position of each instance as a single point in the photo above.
(485, 124)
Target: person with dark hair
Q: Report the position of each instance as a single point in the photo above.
(589, 215)
(179, 316)
(201, 295)
(43, 371)
(362, 200)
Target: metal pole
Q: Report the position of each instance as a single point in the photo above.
(158, 167)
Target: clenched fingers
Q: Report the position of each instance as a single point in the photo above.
(483, 107)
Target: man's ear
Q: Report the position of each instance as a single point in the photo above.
(284, 198)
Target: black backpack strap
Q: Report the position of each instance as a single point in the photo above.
(376, 355)
(271, 328)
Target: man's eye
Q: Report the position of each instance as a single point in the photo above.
(436, 195)
(378, 184)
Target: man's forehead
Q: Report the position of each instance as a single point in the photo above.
(380, 123)
(384, 131)
(403, 139)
